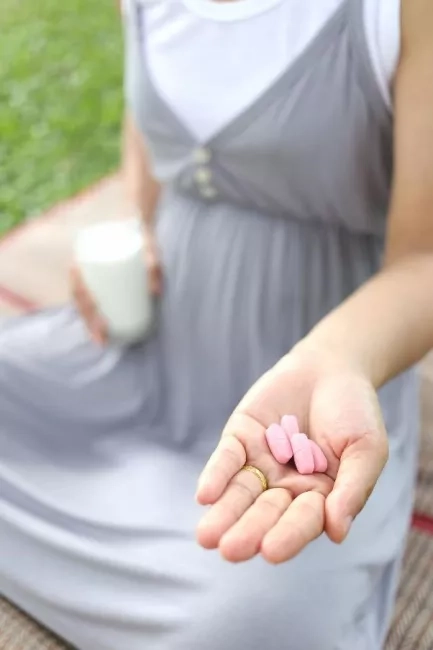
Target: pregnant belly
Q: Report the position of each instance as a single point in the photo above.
(234, 291)
(241, 288)
(238, 276)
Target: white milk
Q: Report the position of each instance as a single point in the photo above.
(110, 258)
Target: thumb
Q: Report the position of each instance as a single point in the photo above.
(360, 467)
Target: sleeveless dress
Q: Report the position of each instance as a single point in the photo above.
(263, 230)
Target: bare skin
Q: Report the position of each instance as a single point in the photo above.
(330, 379)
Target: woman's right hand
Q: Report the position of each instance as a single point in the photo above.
(86, 305)
(338, 407)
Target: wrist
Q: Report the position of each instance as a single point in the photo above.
(386, 326)
(324, 352)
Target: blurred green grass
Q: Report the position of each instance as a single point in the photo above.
(60, 101)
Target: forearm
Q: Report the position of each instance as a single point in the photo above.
(142, 191)
(387, 325)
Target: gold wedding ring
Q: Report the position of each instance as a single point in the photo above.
(262, 478)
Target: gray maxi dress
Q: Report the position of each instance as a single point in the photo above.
(100, 449)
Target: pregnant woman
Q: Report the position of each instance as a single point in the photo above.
(281, 156)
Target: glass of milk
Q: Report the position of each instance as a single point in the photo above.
(111, 260)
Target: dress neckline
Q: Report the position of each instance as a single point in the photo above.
(279, 87)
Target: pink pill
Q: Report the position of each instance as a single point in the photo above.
(320, 461)
(303, 454)
(290, 425)
(279, 444)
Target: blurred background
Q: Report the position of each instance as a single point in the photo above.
(60, 101)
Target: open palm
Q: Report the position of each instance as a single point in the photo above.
(338, 408)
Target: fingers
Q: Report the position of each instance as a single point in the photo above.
(360, 467)
(244, 523)
(226, 461)
(243, 541)
(155, 280)
(302, 522)
(154, 271)
(152, 262)
(240, 495)
(87, 309)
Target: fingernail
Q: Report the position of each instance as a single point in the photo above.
(348, 521)
(199, 487)
(197, 496)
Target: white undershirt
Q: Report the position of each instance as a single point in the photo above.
(210, 60)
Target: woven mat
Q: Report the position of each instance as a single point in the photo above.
(424, 494)
(18, 632)
(412, 627)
